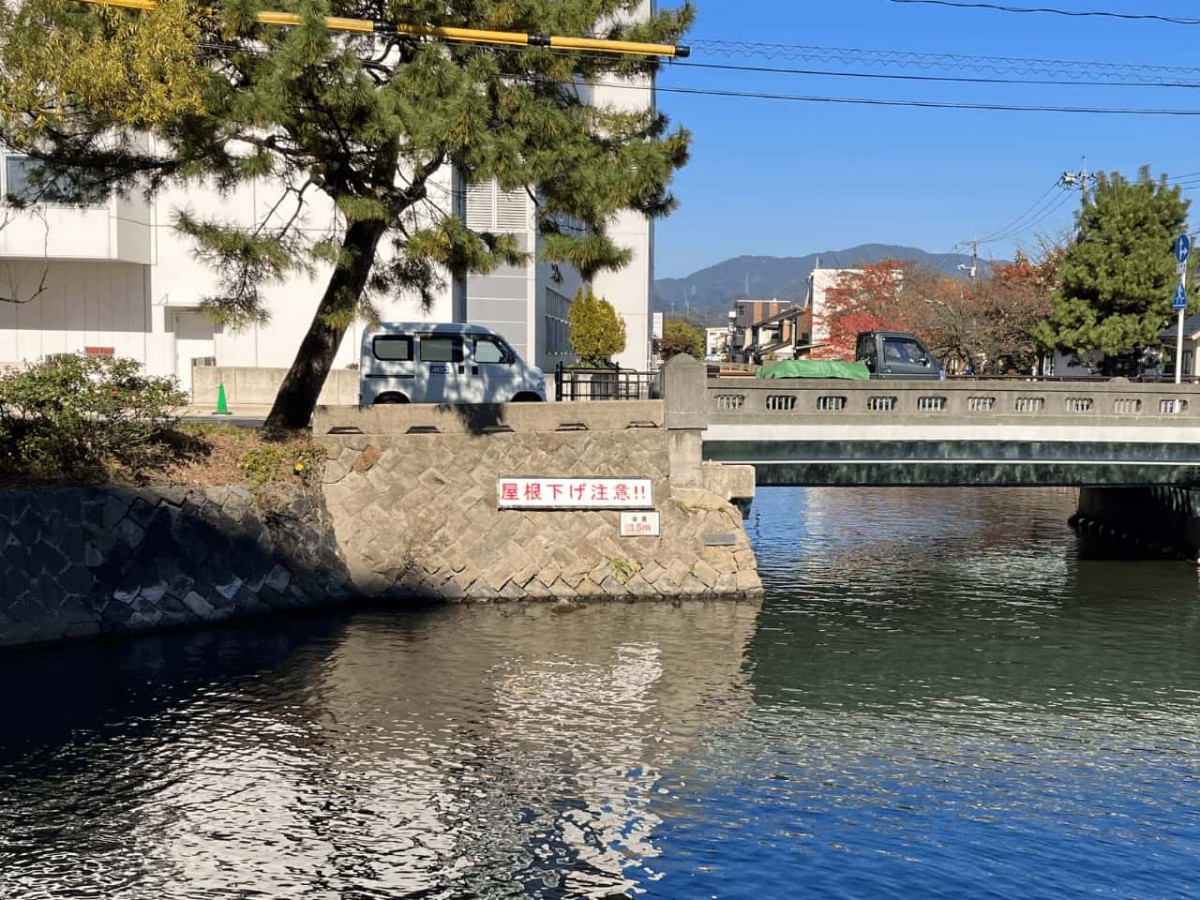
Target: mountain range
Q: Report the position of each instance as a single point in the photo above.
(708, 294)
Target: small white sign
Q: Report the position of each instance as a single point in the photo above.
(639, 524)
(574, 493)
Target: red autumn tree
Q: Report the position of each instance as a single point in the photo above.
(867, 299)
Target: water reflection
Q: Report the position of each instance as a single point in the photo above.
(470, 752)
(942, 696)
(951, 716)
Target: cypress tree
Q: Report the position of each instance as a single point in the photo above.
(597, 332)
(366, 120)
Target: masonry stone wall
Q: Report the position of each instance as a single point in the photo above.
(416, 515)
(80, 562)
(407, 508)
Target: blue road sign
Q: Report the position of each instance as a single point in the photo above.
(1183, 247)
(1180, 300)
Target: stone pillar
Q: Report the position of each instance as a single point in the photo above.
(685, 394)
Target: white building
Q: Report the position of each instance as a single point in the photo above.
(115, 278)
(819, 283)
(716, 341)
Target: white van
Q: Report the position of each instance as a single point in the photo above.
(425, 362)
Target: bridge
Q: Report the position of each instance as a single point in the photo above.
(968, 432)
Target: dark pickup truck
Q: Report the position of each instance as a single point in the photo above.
(896, 354)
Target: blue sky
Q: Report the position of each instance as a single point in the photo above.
(782, 178)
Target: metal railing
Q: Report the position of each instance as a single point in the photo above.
(575, 384)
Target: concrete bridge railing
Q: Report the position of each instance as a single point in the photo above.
(738, 401)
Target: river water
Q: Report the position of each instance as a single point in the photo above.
(943, 695)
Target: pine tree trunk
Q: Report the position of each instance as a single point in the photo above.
(302, 385)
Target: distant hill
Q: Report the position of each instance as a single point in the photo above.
(709, 294)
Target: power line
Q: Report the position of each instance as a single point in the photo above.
(867, 101)
(1002, 232)
(923, 104)
(951, 79)
(1032, 220)
(1047, 205)
(1000, 65)
(1045, 214)
(957, 4)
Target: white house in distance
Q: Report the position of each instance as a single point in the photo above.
(115, 279)
(819, 283)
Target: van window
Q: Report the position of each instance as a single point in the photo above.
(489, 350)
(394, 347)
(441, 349)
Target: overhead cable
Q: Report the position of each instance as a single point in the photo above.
(904, 59)
(1152, 17)
(1045, 212)
(926, 104)
(940, 79)
(1002, 232)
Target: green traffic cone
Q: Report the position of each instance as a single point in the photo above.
(222, 405)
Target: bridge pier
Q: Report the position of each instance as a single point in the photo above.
(1160, 517)
(685, 415)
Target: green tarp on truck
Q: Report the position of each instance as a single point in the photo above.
(815, 368)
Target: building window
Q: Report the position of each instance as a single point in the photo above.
(558, 331)
(19, 185)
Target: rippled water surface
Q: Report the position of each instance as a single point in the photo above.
(940, 697)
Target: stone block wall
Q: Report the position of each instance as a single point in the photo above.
(78, 562)
(416, 516)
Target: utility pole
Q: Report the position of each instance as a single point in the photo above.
(973, 269)
(1070, 179)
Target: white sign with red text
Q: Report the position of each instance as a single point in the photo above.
(574, 493)
(639, 524)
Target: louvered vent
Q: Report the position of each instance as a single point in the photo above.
(481, 205)
(512, 211)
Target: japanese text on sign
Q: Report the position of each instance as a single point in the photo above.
(639, 524)
(574, 493)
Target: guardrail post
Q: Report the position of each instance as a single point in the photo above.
(685, 395)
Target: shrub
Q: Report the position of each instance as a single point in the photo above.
(597, 332)
(77, 416)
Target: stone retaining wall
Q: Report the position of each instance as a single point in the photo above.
(416, 516)
(80, 562)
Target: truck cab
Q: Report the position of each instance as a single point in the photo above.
(896, 354)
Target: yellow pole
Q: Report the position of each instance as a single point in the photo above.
(460, 35)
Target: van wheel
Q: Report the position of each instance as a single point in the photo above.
(390, 398)
(527, 398)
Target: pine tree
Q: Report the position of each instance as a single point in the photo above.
(1118, 275)
(597, 332)
(366, 120)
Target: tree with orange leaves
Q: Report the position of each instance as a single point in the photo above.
(866, 299)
